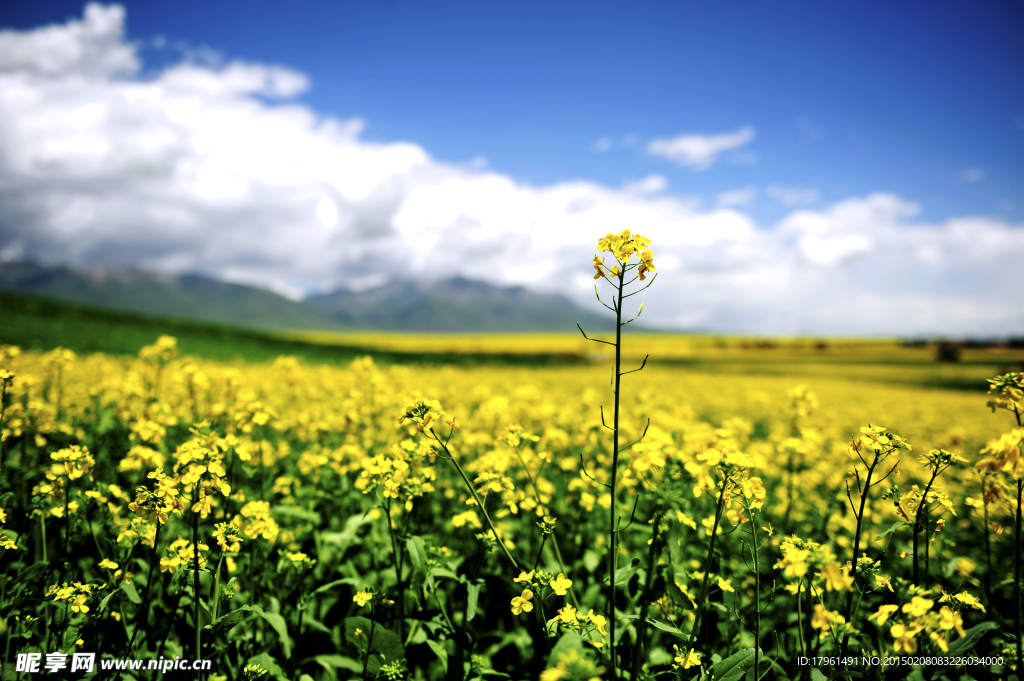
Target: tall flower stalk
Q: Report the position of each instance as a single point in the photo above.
(879, 444)
(620, 275)
(1007, 454)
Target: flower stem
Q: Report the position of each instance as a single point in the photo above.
(707, 569)
(494, 531)
(613, 553)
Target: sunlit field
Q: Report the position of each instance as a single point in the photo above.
(745, 509)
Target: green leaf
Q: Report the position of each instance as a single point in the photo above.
(895, 526)
(103, 603)
(591, 559)
(471, 600)
(816, 675)
(676, 594)
(963, 644)
(315, 624)
(414, 545)
(443, 572)
(441, 653)
(278, 624)
(226, 623)
(384, 641)
(131, 592)
(667, 627)
(623, 573)
(296, 513)
(735, 666)
(570, 641)
(330, 585)
(340, 541)
(332, 662)
(270, 664)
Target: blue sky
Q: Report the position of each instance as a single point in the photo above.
(845, 97)
(813, 105)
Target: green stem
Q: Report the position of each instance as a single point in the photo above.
(707, 569)
(639, 650)
(366, 655)
(917, 518)
(195, 576)
(1016, 577)
(145, 597)
(757, 588)
(398, 568)
(487, 517)
(3, 410)
(613, 533)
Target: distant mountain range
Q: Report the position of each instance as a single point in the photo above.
(453, 305)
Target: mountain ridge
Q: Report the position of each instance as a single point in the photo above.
(452, 305)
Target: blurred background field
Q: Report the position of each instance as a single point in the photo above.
(39, 323)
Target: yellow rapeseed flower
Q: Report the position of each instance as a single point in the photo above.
(522, 602)
(560, 584)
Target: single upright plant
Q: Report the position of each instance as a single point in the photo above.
(622, 274)
(1007, 454)
(878, 444)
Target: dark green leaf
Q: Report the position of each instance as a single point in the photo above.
(414, 545)
(570, 641)
(666, 627)
(296, 513)
(895, 526)
(332, 662)
(735, 666)
(441, 653)
(270, 664)
(130, 591)
(623, 574)
(384, 641)
(963, 644)
(471, 600)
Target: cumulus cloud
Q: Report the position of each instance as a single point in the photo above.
(217, 168)
(699, 151)
(652, 184)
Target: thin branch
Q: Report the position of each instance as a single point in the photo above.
(633, 371)
(602, 419)
(889, 473)
(621, 449)
(631, 515)
(596, 340)
(641, 289)
(638, 313)
(852, 505)
(583, 467)
(599, 298)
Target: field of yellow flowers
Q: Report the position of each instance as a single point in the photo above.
(298, 521)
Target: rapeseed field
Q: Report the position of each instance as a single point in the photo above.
(609, 520)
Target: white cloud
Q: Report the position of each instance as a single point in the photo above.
(192, 169)
(973, 175)
(737, 197)
(602, 145)
(699, 151)
(652, 184)
(791, 196)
